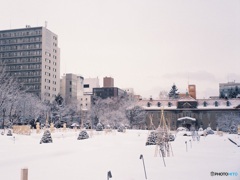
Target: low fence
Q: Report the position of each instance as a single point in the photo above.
(23, 129)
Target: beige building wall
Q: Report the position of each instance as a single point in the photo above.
(50, 65)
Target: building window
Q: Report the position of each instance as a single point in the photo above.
(228, 103)
(148, 104)
(169, 104)
(159, 104)
(205, 104)
(216, 104)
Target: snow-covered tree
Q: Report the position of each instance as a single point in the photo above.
(163, 95)
(18, 105)
(173, 94)
(137, 116)
(228, 122)
(83, 135)
(47, 138)
(152, 138)
(111, 111)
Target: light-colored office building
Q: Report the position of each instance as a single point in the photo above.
(86, 98)
(71, 87)
(89, 84)
(32, 54)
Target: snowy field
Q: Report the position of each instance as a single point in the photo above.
(70, 159)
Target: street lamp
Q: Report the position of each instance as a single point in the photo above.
(4, 110)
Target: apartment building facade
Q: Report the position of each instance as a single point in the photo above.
(32, 55)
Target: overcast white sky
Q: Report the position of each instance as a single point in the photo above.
(143, 44)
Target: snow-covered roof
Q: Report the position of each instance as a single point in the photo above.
(202, 104)
(186, 117)
(186, 98)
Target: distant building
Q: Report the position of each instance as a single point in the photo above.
(89, 84)
(108, 82)
(32, 54)
(71, 87)
(189, 112)
(192, 91)
(226, 88)
(108, 92)
(129, 91)
(86, 98)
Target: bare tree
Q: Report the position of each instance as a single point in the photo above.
(137, 116)
(111, 111)
(15, 102)
(228, 122)
(163, 95)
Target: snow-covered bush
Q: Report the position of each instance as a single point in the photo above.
(99, 127)
(152, 138)
(121, 129)
(9, 133)
(83, 135)
(209, 131)
(228, 122)
(47, 138)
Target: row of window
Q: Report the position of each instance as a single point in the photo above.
(85, 99)
(20, 33)
(49, 74)
(21, 47)
(22, 60)
(26, 73)
(20, 40)
(48, 88)
(55, 38)
(47, 60)
(49, 81)
(49, 55)
(205, 104)
(85, 105)
(29, 80)
(32, 87)
(47, 67)
(21, 53)
(24, 67)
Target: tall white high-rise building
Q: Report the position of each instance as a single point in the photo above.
(32, 54)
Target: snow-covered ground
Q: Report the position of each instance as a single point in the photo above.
(70, 159)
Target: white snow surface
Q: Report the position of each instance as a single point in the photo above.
(70, 159)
